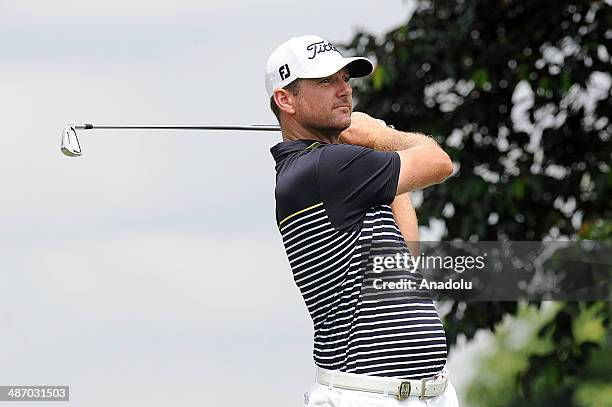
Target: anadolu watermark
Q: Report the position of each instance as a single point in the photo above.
(490, 271)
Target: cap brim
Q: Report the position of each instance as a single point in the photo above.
(357, 67)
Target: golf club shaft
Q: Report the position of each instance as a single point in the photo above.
(257, 127)
(71, 147)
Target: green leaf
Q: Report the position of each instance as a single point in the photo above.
(566, 81)
(589, 325)
(524, 72)
(518, 188)
(379, 77)
(544, 83)
(480, 77)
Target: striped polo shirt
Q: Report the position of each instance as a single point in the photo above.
(333, 213)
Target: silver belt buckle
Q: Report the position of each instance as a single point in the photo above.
(404, 391)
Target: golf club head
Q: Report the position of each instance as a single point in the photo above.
(70, 142)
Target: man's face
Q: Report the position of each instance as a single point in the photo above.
(325, 103)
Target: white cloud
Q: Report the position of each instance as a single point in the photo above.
(152, 316)
(111, 263)
(74, 10)
(166, 277)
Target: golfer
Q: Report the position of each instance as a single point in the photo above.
(342, 183)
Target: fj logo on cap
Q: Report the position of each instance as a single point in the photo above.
(321, 46)
(284, 71)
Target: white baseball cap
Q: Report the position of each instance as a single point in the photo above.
(309, 56)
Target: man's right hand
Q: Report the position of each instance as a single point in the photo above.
(363, 130)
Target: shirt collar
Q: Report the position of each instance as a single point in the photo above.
(285, 148)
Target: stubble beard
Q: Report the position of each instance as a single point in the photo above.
(332, 125)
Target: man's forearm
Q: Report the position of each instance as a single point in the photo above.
(376, 135)
(388, 139)
(406, 220)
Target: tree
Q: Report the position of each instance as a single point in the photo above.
(518, 94)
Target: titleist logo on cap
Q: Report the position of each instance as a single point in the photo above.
(309, 56)
(321, 46)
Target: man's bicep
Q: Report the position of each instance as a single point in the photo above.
(422, 166)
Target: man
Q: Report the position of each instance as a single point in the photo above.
(342, 200)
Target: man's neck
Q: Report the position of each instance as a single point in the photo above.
(294, 131)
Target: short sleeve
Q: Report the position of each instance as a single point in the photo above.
(353, 179)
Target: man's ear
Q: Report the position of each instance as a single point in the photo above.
(285, 100)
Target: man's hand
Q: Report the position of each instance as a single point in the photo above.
(362, 131)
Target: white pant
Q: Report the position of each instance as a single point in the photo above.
(324, 396)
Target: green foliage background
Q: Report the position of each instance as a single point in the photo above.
(518, 94)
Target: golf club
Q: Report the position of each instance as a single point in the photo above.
(72, 148)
